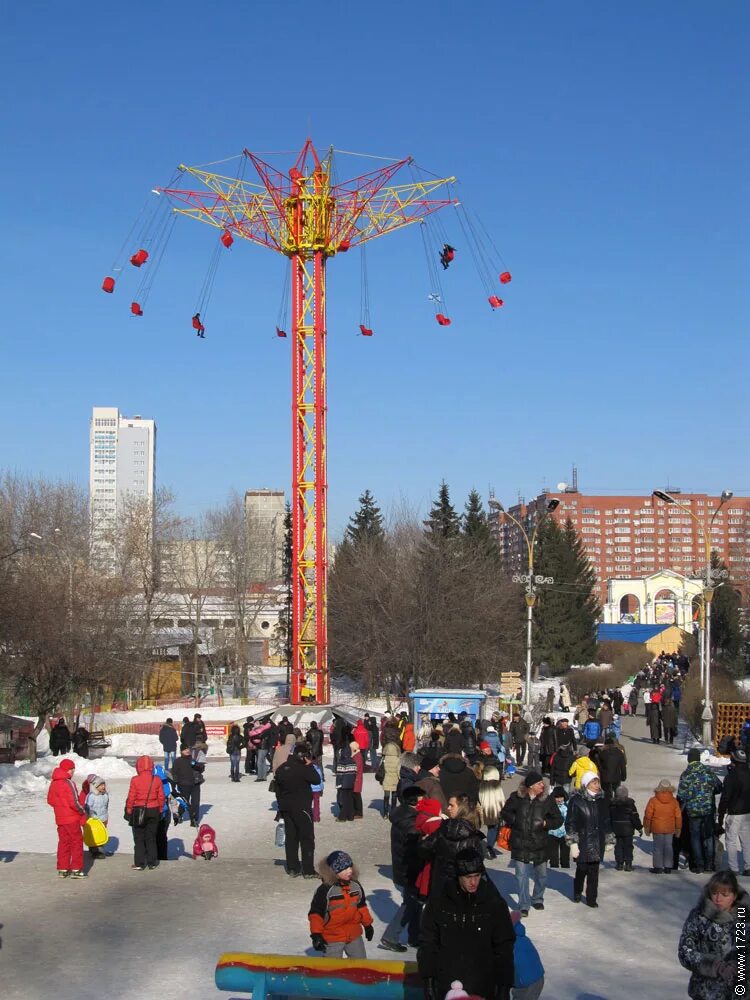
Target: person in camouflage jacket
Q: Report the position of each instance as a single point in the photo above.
(696, 791)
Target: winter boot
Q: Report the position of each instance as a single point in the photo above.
(79, 874)
(62, 874)
(619, 867)
(628, 866)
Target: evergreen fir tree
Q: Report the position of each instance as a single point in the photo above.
(475, 519)
(283, 630)
(566, 612)
(366, 525)
(726, 633)
(443, 522)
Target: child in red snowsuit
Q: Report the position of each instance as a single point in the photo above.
(204, 845)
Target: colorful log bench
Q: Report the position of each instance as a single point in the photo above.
(267, 976)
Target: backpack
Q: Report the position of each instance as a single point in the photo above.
(592, 730)
(380, 773)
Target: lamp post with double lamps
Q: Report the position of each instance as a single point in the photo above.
(529, 579)
(708, 593)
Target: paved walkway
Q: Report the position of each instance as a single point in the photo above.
(158, 934)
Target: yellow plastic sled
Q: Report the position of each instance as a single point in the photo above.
(95, 833)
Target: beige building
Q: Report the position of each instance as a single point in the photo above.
(264, 514)
(663, 598)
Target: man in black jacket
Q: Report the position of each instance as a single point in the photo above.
(294, 780)
(406, 864)
(518, 730)
(168, 740)
(612, 769)
(530, 814)
(467, 935)
(734, 804)
(314, 738)
(188, 734)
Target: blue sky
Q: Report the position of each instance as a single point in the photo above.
(604, 145)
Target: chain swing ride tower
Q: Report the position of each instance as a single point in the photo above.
(308, 217)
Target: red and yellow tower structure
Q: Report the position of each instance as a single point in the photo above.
(308, 218)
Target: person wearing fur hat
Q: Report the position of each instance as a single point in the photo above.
(697, 790)
(625, 821)
(663, 820)
(467, 935)
(338, 911)
(710, 937)
(558, 850)
(588, 826)
(70, 817)
(530, 814)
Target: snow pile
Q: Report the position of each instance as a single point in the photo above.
(23, 778)
(16, 782)
(130, 745)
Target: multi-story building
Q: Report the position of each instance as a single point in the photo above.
(634, 536)
(122, 463)
(264, 514)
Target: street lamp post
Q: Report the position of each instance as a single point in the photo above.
(69, 562)
(708, 594)
(529, 579)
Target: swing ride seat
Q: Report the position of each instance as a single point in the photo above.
(344, 246)
(495, 302)
(108, 285)
(365, 330)
(197, 325)
(227, 239)
(136, 309)
(139, 257)
(280, 332)
(505, 277)
(442, 320)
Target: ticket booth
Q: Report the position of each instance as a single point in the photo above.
(434, 704)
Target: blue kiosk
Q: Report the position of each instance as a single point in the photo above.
(435, 703)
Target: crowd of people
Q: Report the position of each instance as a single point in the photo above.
(442, 792)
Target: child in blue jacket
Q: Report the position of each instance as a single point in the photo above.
(558, 851)
(529, 971)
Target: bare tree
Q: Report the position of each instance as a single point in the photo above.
(416, 610)
(249, 555)
(192, 571)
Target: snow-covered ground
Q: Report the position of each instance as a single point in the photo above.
(117, 920)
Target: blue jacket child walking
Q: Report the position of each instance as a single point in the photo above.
(529, 971)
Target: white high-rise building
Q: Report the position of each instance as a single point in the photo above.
(122, 463)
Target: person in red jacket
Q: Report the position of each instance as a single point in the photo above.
(146, 791)
(70, 817)
(362, 735)
(359, 760)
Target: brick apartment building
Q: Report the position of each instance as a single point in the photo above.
(634, 536)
